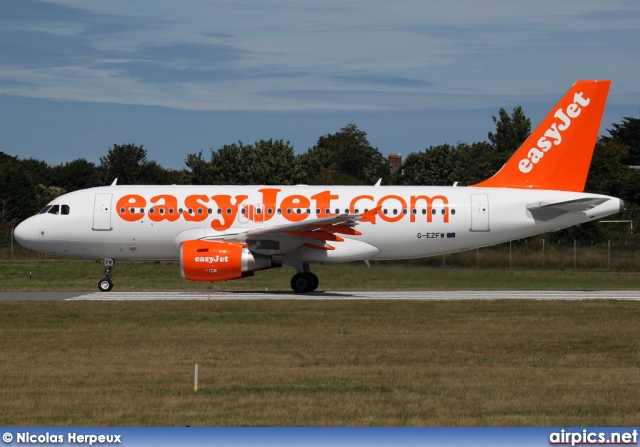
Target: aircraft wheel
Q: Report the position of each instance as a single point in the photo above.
(302, 282)
(105, 285)
(314, 281)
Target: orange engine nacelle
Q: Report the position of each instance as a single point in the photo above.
(219, 261)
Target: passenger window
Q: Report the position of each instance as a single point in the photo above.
(443, 211)
(453, 212)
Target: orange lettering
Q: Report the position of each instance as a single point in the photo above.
(199, 210)
(323, 202)
(229, 211)
(352, 206)
(429, 201)
(128, 202)
(269, 196)
(383, 215)
(294, 208)
(165, 211)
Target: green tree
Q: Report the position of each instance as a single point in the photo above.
(437, 165)
(77, 174)
(475, 163)
(271, 163)
(345, 157)
(511, 131)
(123, 162)
(129, 164)
(40, 172)
(628, 133)
(268, 162)
(18, 198)
(609, 174)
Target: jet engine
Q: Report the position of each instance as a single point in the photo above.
(219, 261)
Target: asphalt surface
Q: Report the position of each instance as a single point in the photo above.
(329, 295)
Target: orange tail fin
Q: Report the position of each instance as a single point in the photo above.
(557, 155)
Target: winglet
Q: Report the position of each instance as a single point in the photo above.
(557, 154)
(370, 216)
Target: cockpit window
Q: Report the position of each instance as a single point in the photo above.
(45, 209)
(64, 210)
(55, 209)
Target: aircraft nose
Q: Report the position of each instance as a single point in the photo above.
(24, 233)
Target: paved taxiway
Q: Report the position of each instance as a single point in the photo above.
(338, 295)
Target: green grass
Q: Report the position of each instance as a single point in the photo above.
(317, 363)
(61, 275)
(320, 363)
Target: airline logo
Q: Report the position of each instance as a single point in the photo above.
(553, 135)
(223, 209)
(211, 259)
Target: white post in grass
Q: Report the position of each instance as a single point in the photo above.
(195, 381)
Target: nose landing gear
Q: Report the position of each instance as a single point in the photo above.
(105, 284)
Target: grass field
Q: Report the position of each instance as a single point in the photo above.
(318, 363)
(326, 363)
(64, 275)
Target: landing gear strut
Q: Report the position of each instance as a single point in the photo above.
(304, 282)
(105, 284)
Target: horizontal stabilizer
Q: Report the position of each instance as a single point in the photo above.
(546, 211)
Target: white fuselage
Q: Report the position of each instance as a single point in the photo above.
(149, 222)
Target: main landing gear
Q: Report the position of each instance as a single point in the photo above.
(105, 284)
(304, 282)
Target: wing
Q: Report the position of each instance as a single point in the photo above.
(282, 239)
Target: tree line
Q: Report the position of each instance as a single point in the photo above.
(345, 157)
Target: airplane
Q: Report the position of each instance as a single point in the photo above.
(220, 233)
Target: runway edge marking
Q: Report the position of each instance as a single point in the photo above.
(452, 295)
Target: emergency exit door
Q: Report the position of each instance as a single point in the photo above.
(479, 212)
(102, 212)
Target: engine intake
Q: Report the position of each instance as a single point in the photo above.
(219, 261)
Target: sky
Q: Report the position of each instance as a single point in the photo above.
(78, 76)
